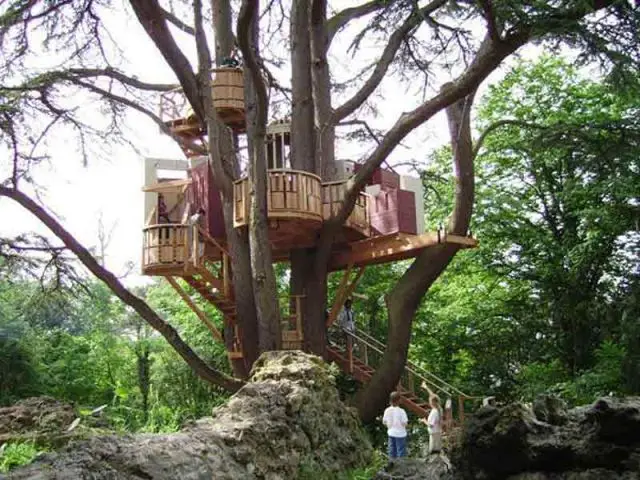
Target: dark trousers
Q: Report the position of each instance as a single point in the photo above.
(397, 447)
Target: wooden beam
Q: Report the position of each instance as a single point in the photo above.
(343, 292)
(338, 301)
(391, 248)
(201, 315)
(207, 276)
(168, 186)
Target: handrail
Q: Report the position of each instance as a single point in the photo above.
(418, 370)
(165, 225)
(284, 170)
(212, 240)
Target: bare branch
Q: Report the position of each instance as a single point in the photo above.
(131, 104)
(340, 19)
(395, 41)
(175, 21)
(500, 124)
(151, 16)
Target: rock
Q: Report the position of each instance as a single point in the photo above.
(436, 467)
(36, 418)
(287, 416)
(601, 441)
(550, 409)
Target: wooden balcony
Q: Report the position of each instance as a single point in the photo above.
(332, 196)
(165, 249)
(294, 207)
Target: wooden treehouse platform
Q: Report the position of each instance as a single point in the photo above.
(385, 225)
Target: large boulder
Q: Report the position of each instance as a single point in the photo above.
(515, 442)
(288, 416)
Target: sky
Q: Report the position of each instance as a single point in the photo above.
(108, 189)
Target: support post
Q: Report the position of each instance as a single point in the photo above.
(201, 315)
(461, 409)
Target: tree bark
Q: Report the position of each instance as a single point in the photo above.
(321, 88)
(201, 369)
(264, 280)
(404, 299)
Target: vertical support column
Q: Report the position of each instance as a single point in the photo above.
(226, 275)
(299, 331)
(350, 352)
(461, 409)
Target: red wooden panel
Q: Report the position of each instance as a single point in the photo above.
(204, 194)
(393, 211)
(385, 178)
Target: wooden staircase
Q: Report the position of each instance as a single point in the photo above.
(362, 353)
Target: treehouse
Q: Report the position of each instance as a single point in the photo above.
(185, 232)
(227, 93)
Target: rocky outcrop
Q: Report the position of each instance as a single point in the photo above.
(287, 416)
(39, 419)
(545, 442)
(434, 467)
(597, 442)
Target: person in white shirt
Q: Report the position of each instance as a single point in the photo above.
(395, 419)
(434, 425)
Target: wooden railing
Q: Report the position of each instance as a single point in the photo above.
(291, 194)
(172, 245)
(165, 245)
(174, 105)
(332, 197)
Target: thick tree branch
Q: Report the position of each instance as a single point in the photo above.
(388, 54)
(203, 370)
(488, 58)
(247, 13)
(151, 16)
(176, 22)
(404, 299)
(342, 18)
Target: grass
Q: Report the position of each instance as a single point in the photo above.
(16, 454)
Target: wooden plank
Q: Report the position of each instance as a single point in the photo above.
(390, 248)
(168, 186)
(338, 300)
(209, 278)
(201, 315)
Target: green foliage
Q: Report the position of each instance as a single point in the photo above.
(16, 454)
(311, 472)
(90, 353)
(553, 285)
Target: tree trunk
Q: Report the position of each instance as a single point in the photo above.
(403, 301)
(321, 88)
(201, 369)
(223, 154)
(264, 280)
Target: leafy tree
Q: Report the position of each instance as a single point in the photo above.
(540, 302)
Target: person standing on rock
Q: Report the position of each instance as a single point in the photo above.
(395, 419)
(434, 425)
